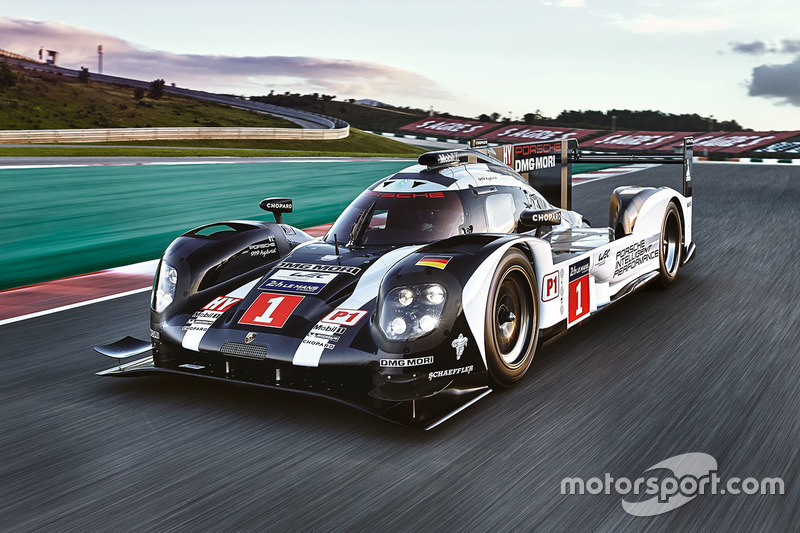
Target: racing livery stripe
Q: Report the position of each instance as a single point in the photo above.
(191, 340)
(310, 351)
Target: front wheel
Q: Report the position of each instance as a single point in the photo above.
(671, 246)
(512, 320)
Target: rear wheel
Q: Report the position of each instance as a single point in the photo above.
(512, 320)
(671, 246)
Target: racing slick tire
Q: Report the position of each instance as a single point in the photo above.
(671, 243)
(512, 320)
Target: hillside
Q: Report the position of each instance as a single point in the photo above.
(39, 100)
(32, 100)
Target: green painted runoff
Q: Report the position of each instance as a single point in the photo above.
(63, 221)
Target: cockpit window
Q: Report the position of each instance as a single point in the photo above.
(399, 218)
(500, 213)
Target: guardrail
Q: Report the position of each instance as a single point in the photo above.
(158, 134)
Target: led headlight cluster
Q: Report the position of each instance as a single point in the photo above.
(411, 312)
(164, 290)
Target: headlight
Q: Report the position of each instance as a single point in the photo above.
(411, 312)
(164, 290)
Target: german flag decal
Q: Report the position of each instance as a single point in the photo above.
(435, 261)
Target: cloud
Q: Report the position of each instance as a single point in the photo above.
(754, 48)
(777, 81)
(657, 24)
(784, 46)
(790, 46)
(345, 78)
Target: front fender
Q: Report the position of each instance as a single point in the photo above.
(464, 265)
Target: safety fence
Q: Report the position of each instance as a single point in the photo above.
(158, 134)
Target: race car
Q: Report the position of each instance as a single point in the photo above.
(435, 286)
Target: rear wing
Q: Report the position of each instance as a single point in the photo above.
(548, 165)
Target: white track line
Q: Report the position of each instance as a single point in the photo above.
(72, 306)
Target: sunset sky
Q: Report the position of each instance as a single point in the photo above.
(732, 59)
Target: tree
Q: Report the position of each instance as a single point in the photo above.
(156, 89)
(83, 75)
(138, 93)
(7, 77)
(531, 118)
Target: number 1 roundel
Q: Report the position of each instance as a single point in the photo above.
(271, 310)
(579, 294)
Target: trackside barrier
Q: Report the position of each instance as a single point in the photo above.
(158, 134)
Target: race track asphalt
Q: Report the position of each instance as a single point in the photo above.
(710, 365)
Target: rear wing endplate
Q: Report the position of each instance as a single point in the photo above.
(547, 165)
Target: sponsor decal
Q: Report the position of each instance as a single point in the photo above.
(450, 157)
(508, 154)
(324, 335)
(297, 281)
(449, 372)
(601, 258)
(635, 255)
(550, 286)
(202, 320)
(459, 344)
(479, 143)
(407, 195)
(435, 261)
(529, 157)
(288, 230)
(339, 269)
(283, 206)
(344, 317)
(405, 363)
(534, 163)
(530, 150)
(263, 249)
(155, 334)
(327, 330)
(271, 310)
(221, 303)
(310, 341)
(579, 296)
(250, 337)
(549, 217)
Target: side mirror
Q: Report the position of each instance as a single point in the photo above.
(277, 206)
(536, 218)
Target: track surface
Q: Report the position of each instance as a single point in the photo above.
(710, 365)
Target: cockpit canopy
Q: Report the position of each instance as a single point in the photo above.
(393, 218)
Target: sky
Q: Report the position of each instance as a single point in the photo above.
(726, 59)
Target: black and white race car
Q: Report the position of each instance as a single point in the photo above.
(433, 287)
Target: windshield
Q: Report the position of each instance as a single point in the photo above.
(399, 218)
